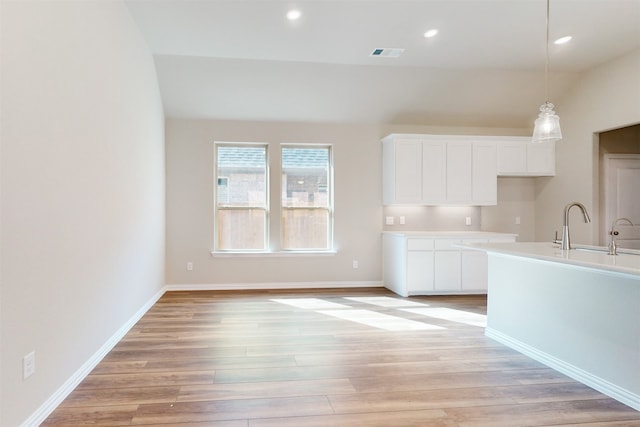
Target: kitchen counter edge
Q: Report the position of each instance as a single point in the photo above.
(627, 264)
(450, 234)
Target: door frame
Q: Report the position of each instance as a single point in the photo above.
(606, 196)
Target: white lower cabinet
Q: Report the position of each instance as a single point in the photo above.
(447, 270)
(436, 265)
(419, 265)
(419, 272)
(474, 271)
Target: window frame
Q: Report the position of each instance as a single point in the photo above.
(274, 208)
(330, 199)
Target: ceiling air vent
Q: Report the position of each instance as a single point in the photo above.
(387, 52)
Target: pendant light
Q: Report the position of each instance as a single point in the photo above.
(547, 125)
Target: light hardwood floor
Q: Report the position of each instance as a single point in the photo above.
(243, 359)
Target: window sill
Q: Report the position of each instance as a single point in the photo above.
(275, 254)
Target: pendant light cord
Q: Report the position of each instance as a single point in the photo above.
(546, 64)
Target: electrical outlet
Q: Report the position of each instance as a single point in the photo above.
(403, 220)
(467, 220)
(517, 220)
(355, 263)
(29, 365)
(189, 266)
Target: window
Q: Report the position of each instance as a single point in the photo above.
(241, 197)
(307, 202)
(247, 220)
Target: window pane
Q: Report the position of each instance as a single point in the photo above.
(242, 173)
(241, 229)
(305, 177)
(306, 198)
(241, 197)
(305, 229)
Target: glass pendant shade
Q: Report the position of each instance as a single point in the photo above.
(547, 125)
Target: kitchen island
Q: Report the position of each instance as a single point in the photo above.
(577, 311)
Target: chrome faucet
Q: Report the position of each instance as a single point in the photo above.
(613, 248)
(566, 244)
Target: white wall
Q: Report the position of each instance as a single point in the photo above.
(82, 190)
(605, 98)
(358, 205)
(516, 198)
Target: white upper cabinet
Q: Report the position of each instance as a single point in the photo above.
(512, 158)
(518, 156)
(541, 159)
(456, 169)
(484, 179)
(459, 172)
(439, 170)
(403, 162)
(434, 171)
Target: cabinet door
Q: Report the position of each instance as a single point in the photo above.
(474, 271)
(541, 159)
(459, 176)
(512, 158)
(447, 270)
(434, 157)
(407, 171)
(485, 178)
(419, 272)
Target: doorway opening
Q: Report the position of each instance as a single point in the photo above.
(619, 185)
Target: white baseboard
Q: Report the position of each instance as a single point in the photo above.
(56, 398)
(612, 390)
(272, 285)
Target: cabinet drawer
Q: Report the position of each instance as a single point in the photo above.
(420, 244)
(447, 244)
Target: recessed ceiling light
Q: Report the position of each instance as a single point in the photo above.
(563, 40)
(430, 33)
(293, 14)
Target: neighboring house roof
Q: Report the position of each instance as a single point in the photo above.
(253, 157)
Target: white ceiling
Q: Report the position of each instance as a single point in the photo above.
(242, 59)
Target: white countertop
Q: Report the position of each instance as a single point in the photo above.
(451, 234)
(627, 263)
